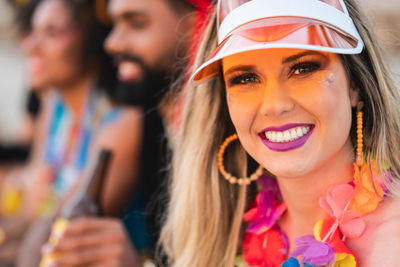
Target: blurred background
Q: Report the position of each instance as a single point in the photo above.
(384, 14)
(12, 78)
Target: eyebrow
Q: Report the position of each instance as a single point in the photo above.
(128, 15)
(292, 58)
(302, 54)
(243, 68)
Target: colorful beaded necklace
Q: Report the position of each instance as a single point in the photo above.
(265, 245)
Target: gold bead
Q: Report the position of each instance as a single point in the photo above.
(228, 176)
(233, 180)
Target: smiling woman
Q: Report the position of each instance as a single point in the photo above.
(290, 101)
(303, 86)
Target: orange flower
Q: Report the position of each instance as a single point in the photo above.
(368, 193)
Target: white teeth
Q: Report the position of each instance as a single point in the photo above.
(287, 135)
(299, 131)
(279, 136)
(293, 134)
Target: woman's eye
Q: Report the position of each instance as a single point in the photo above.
(304, 68)
(242, 79)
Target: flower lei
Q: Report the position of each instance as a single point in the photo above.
(265, 245)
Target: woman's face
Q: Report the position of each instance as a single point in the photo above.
(54, 47)
(291, 108)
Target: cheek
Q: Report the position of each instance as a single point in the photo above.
(67, 57)
(334, 108)
(242, 110)
(148, 47)
(336, 95)
(155, 45)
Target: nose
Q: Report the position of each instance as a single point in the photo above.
(115, 42)
(276, 100)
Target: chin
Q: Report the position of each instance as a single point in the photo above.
(288, 168)
(39, 84)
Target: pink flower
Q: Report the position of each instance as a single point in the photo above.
(336, 203)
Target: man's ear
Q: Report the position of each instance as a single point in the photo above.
(354, 96)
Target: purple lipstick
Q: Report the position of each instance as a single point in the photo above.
(286, 137)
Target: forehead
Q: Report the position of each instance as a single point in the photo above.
(120, 9)
(51, 12)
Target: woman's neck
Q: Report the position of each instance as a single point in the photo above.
(301, 194)
(75, 94)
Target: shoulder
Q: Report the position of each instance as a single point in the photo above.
(390, 219)
(120, 116)
(384, 234)
(123, 124)
(387, 218)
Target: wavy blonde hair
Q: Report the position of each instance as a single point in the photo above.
(204, 223)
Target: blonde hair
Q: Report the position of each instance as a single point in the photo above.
(204, 223)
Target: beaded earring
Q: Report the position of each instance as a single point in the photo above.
(359, 148)
(229, 177)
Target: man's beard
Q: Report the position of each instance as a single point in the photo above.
(148, 91)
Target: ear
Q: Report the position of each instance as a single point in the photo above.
(354, 97)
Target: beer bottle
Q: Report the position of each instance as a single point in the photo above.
(86, 201)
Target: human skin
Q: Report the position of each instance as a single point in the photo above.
(53, 47)
(276, 96)
(147, 30)
(276, 87)
(312, 89)
(60, 67)
(94, 242)
(54, 50)
(150, 30)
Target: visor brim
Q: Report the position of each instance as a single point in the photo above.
(279, 32)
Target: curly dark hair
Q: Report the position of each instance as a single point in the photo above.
(85, 14)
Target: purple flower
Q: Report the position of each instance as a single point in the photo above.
(314, 252)
(268, 183)
(388, 175)
(266, 211)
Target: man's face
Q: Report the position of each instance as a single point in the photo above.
(145, 37)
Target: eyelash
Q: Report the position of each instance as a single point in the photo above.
(243, 79)
(138, 25)
(302, 68)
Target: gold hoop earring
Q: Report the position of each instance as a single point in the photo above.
(359, 148)
(229, 177)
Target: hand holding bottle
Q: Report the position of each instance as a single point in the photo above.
(93, 242)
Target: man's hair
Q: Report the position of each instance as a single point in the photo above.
(181, 6)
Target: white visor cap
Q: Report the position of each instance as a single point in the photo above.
(245, 25)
